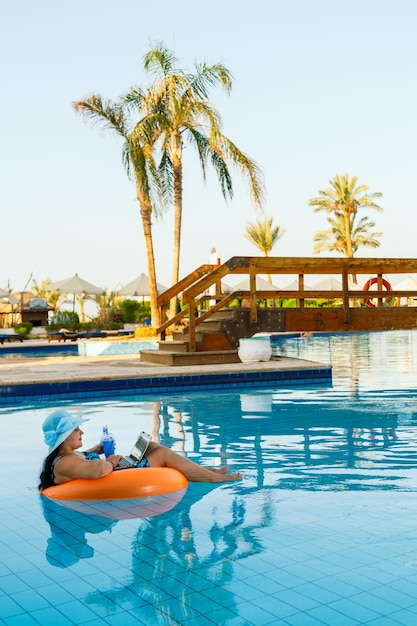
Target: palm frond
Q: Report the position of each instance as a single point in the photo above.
(249, 168)
(207, 76)
(106, 113)
(159, 60)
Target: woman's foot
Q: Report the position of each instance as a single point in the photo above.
(220, 477)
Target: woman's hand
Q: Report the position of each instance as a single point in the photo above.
(114, 459)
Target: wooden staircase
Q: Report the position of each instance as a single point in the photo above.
(212, 343)
(217, 338)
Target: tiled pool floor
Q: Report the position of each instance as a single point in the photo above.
(324, 558)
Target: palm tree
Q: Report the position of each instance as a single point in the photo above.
(178, 109)
(334, 238)
(264, 236)
(105, 303)
(343, 199)
(139, 164)
(81, 300)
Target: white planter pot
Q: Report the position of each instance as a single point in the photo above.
(254, 349)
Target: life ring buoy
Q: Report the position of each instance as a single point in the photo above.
(124, 494)
(373, 281)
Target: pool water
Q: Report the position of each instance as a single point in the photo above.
(32, 350)
(322, 529)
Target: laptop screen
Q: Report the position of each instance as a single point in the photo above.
(140, 446)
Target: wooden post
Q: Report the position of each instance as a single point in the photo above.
(162, 317)
(253, 307)
(345, 287)
(301, 288)
(191, 328)
(380, 288)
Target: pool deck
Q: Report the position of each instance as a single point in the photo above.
(41, 377)
(54, 369)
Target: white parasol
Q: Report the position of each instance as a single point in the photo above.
(139, 287)
(75, 285)
(261, 285)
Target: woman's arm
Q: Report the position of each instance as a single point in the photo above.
(72, 466)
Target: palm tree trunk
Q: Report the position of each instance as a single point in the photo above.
(146, 212)
(348, 232)
(349, 250)
(176, 152)
(81, 302)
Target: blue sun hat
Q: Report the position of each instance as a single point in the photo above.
(58, 426)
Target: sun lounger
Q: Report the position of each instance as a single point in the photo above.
(14, 337)
(93, 334)
(119, 333)
(63, 336)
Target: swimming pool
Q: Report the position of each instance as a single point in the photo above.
(320, 531)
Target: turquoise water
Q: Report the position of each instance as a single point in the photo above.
(322, 530)
(31, 350)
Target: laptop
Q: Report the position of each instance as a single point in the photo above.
(136, 453)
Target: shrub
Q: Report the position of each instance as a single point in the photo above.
(24, 328)
(132, 310)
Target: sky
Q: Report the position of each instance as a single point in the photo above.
(320, 87)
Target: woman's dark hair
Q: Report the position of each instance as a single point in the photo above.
(46, 476)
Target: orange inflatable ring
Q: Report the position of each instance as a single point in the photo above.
(136, 492)
(373, 281)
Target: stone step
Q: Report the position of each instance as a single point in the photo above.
(173, 346)
(182, 335)
(162, 357)
(205, 342)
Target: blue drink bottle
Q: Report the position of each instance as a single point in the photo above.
(108, 441)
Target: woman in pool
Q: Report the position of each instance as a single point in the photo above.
(63, 435)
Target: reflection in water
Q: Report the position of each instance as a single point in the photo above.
(226, 541)
(165, 549)
(359, 360)
(301, 439)
(68, 543)
(127, 508)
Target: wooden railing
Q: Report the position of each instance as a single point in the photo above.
(195, 288)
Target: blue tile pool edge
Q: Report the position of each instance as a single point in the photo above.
(16, 394)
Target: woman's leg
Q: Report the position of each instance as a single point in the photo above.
(160, 456)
